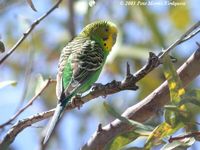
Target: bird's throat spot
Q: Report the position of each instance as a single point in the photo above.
(105, 45)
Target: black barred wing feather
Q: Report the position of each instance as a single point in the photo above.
(68, 50)
(90, 59)
(86, 61)
(86, 58)
(62, 62)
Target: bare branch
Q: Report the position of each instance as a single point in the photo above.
(191, 35)
(191, 32)
(146, 108)
(20, 125)
(71, 23)
(193, 134)
(140, 112)
(24, 36)
(27, 77)
(27, 105)
(115, 86)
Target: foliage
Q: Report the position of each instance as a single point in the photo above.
(2, 47)
(6, 83)
(142, 29)
(177, 115)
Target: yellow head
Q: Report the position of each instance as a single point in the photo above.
(106, 31)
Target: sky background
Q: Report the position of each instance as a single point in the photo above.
(42, 49)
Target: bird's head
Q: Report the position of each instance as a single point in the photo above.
(106, 31)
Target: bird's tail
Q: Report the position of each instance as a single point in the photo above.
(57, 115)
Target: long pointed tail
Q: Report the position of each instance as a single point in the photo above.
(57, 114)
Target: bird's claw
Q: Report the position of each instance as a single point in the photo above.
(76, 101)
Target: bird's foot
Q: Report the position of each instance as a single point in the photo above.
(76, 101)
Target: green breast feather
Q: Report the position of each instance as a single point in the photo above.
(83, 66)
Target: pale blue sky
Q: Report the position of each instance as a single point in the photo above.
(28, 138)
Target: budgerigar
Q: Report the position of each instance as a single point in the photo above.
(80, 64)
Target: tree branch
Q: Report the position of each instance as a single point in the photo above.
(191, 32)
(115, 86)
(33, 25)
(20, 125)
(28, 104)
(153, 62)
(146, 108)
(71, 23)
(193, 134)
(139, 112)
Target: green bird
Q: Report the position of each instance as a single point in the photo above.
(80, 64)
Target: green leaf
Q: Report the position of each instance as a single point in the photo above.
(180, 16)
(191, 100)
(136, 124)
(171, 114)
(192, 97)
(2, 47)
(194, 93)
(176, 93)
(171, 107)
(174, 82)
(161, 131)
(40, 83)
(179, 145)
(7, 83)
(171, 117)
(122, 140)
(31, 5)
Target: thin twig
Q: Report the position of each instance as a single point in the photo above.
(146, 108)
(110, 88)
(24, 36)
(191, 35)
(141, 112)
(27, 77)
(27, 105)
(186, 36)
(193, 134)
(71, 23)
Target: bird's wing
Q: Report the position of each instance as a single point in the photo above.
(62, 61)
(84, 58)
(79, 61)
